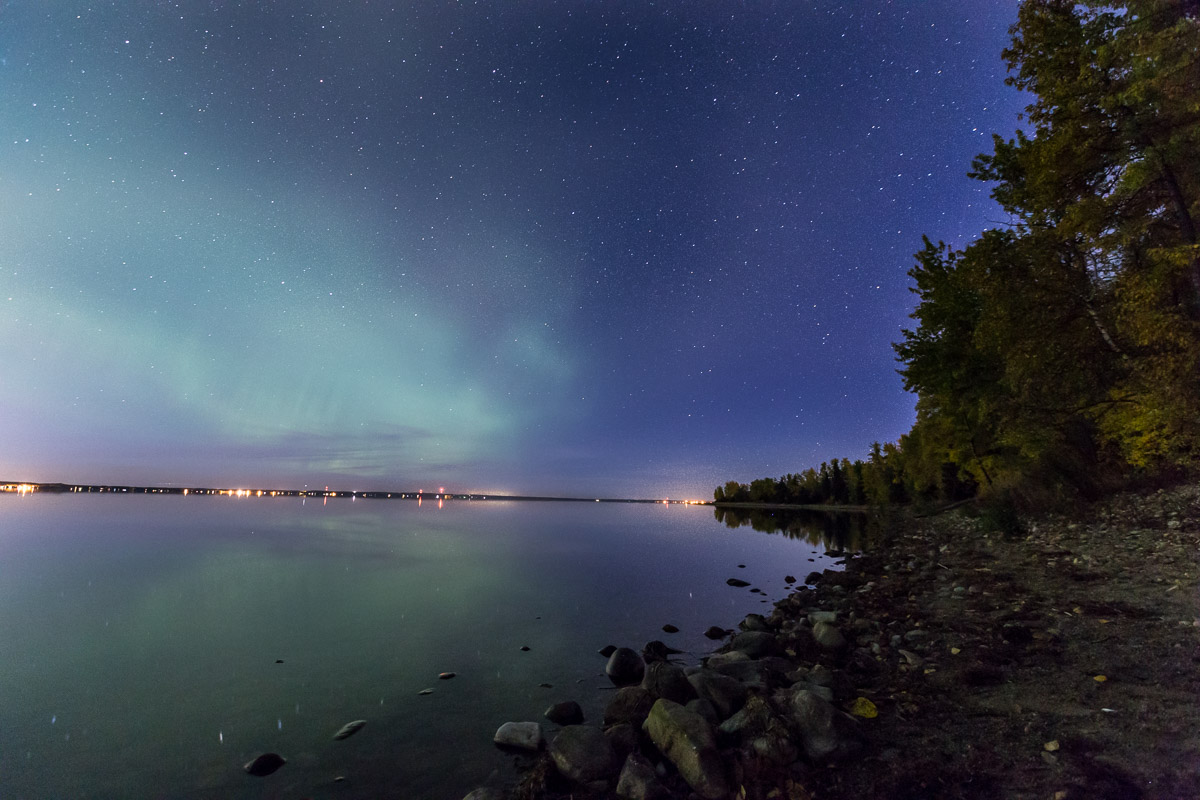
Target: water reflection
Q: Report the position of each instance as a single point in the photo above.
(847, 531)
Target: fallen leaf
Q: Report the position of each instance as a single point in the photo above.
(1050, 746)
(862, 707)
(1100, 678)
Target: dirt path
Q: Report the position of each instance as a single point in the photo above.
(1061, 662)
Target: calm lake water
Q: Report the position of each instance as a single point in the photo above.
(152, 645)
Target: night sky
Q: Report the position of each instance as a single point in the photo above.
(609, 248)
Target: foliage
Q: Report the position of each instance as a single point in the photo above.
(1065, 347)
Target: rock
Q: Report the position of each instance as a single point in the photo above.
(607, 650)
(754, 673)
(583, 754)
(668, 680)
(829, 617)
(737, 582)
(521, 735)
(445, 676)
(829, 637)
(719, 659)
(754, 622)
(349, 729)
(814, 577)
(816, 720)
(705, 709)
(726, 694)
(688, 742)
(625, 667)
(567, 712)
(755, 644)
(424, 692)
(264, 765)
(789, 578)
(638, 780)
(916, 636)
(761, 732)
(630, 704)
(716, 633)
(625, 739)
(669, 628)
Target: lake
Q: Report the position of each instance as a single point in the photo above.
(152, 645)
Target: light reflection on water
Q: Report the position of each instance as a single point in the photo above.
(153, 645)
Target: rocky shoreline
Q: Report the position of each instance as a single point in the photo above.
(1058, 661)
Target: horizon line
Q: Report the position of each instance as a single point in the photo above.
(28, 487)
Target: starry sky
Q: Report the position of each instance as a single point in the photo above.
(610, 248)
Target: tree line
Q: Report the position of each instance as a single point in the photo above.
(1059, 353)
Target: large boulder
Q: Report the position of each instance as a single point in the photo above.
(583, 754)
(668, 680)
(629, 704)
(688, 742)
(520, 735)
(625, 667)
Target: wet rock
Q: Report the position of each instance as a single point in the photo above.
(716, 633)
(688, 742)
(669, 628)
(607, 650)
(726, 694)
(264, 765)
(814, 578)
(625, 667)
(583, 754)
(755, 644)
(668, 680)
(445, 676)
(639, 781)
(630, 704)
(519, 735)
(737, 582)
(789, 578)
(567, 712)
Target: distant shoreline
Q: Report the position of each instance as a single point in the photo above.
(793, 506)
(27, 487)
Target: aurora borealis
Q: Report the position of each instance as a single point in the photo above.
(542, 248)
